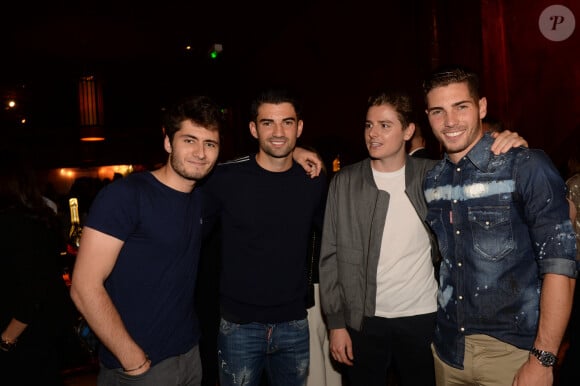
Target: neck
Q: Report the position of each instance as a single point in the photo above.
(167, 176)
(456, 157)
(390, 164)
(274, 164)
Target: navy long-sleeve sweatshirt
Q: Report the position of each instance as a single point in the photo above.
(266, 220)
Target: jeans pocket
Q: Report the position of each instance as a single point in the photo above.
(299, 325)
(227, 328)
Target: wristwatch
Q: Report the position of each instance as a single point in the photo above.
(546, 358)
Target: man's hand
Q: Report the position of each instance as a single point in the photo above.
(309, 160)
(506, 140)
(341, 346)
(532, 373)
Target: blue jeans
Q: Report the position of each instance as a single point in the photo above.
(245, 350)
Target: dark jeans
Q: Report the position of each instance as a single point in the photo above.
(246, 350)
(401, 345)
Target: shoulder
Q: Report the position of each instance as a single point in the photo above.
(130, 183)
(235, 162)
(353, 174)
(125, 191)
(421, 163)
(232, 166)
(531, 158)
(435, 168)
(355, 168)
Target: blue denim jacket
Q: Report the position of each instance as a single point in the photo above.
(501, 222)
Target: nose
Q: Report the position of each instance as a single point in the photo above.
(372, 131)
(450, 119)
(199, 151)
(277, 131)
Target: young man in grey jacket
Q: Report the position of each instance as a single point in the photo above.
(377, 282)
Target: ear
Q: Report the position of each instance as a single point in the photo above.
(482, 108)
(167, 144)
(409, 131)
(253, 129)
(300, 127)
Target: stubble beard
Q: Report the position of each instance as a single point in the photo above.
(180, 169)
(282, 152)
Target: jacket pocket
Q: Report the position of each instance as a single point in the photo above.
(492, 232)
(351, 275)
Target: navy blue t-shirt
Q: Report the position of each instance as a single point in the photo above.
(266, 221)
(152, 283)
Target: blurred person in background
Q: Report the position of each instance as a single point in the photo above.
(35, 309)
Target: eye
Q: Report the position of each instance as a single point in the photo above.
(211, 145)
(368, 126)
(385, 125)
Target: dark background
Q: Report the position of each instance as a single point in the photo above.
(334, 52)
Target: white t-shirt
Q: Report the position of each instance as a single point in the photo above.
(406, 284)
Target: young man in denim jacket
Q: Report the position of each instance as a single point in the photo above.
(503, 228)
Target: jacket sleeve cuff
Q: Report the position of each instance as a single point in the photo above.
(559, 266)
(335, 321)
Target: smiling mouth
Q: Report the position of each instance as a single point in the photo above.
(453, 133)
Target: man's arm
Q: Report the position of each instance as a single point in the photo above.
(309, 160)
(96, 258)
(331, 300)
(555, 306)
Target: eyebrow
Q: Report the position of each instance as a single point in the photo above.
(272, 120)
(211, 141)
(380, 121)
(462, 102)
(453, 105)
(191, 136)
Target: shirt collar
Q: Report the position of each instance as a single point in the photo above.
(480, 154)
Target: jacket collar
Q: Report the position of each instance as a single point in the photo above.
(480, 154)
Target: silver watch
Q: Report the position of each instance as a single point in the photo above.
(546, 358)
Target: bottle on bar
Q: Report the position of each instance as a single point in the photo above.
(74, 235)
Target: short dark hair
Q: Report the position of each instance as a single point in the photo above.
(275, 95)
(400, 101)
(446, 75)
(201, 110)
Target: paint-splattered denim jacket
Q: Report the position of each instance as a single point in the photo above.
(501, 222)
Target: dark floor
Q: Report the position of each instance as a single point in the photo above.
(81, 379)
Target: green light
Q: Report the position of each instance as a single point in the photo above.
(215, 50)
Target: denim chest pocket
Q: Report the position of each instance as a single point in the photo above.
(492, 232)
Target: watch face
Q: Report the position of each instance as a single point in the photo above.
(546, 358)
